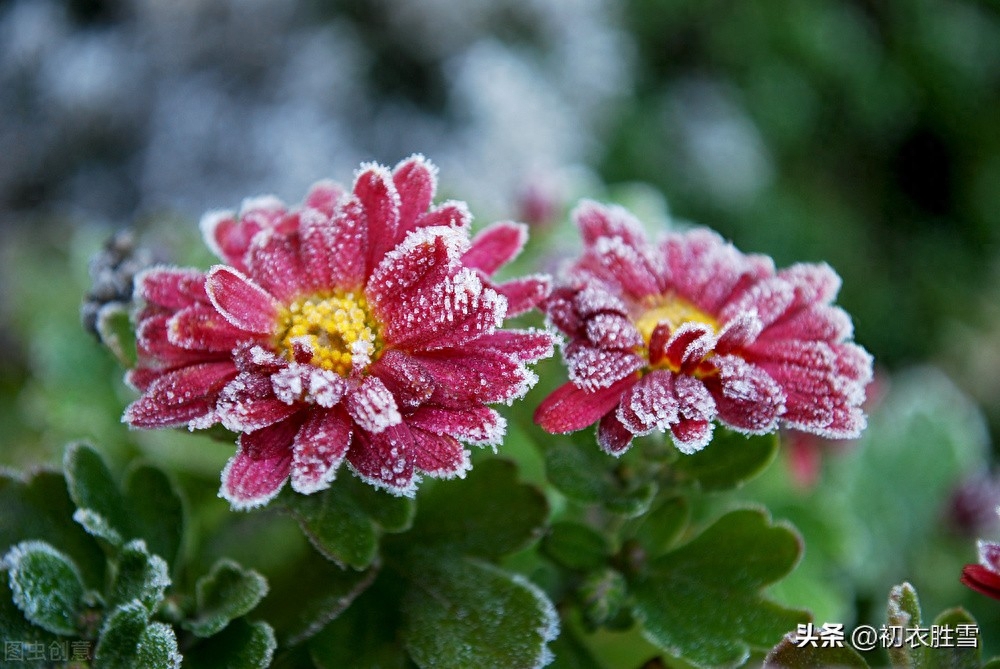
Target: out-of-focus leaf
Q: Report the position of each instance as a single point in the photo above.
(729, 461)
(38, 507)
(787, 655)
(659, 529)
(46, 586)
(228, 591)
(710, 589)
(93, 489)
(344, 522)
(952, 655)
(242, 645)
(469, 613)
(487, 514)
(309, 595)
(140, 576)
(576, 546)
(602, 595)
(903, 611)
(117, 332)
(155, 510)
(15, 628)
(890, 489)
(583, 472)
(365, 635)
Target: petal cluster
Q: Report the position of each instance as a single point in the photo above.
(362, 326)
(688, 331)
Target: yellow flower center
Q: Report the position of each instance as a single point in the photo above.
(675, 311)
(336, 326)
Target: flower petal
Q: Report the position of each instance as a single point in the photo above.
(474, 425)
(613, 437)
(592, 368)
(570, 408)
(613, 331)
(451, 214)
(595, 221)
(405, 378)
(171, 287)
(273, 262)
(746, 397)
(379, 199)
(523, 345)
(495, 246)
(524, 293)
(201, 328)
(372, 406)
(651, 404)
(690, 436)
(323, 196)
(385, 460)
(248, 404)
(318, 449)
(241, 301)
(416, 180)
(334, 247)
(981, 579)
(439, 455)
(180, 396)
(463, 377)
(255, 475)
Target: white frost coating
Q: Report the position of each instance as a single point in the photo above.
(373, 406)
(252, 207)
(326, 388)
(264, 358)
(160, 570)
(208, 224)
(238, 504)
(458, 472)
(361, 353)
(549, 629)
(612, 331)
(594, 298)
(383, 174)
(203, 422)
(289, 383)
(408, 490)
(165, 634)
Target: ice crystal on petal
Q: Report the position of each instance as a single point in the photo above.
(689, 331)
(362, 326)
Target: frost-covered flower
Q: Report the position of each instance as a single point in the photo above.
(984, 577)
(361, 326)
(688, 331)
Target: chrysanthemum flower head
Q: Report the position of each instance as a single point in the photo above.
(362, 325)
(686, 332)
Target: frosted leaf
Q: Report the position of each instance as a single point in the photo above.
(46, 585)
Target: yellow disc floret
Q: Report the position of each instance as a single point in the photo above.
(674, 310)
(336, 326)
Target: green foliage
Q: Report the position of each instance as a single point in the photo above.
(46, 586)
(576, 546)
(135, 616)
(463, 612)
(710, 589)
(345, 521)
(228, 591)
(729, 461)
(581, 471)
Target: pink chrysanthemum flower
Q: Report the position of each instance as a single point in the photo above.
(679, 334)
(984, 577)
(361, 326)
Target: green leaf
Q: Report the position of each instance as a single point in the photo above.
(331, 590)
(242, 645)
(786, 655)
(155, 510)
(228, 591)
(38, 507)
(120, 636)
(903, 611)
(46, 586)
(139, 576)
(14, 627)
(584, 473)
(709, 589)
(93, 490)
(576, 546)
(951, 656)
(117, 332)
(98, 527)
(365, 636)
(728, 461)
(659, 529)
(344, 522)
(487, 514)
(469, 613)
(157, 648)
(602, 595)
